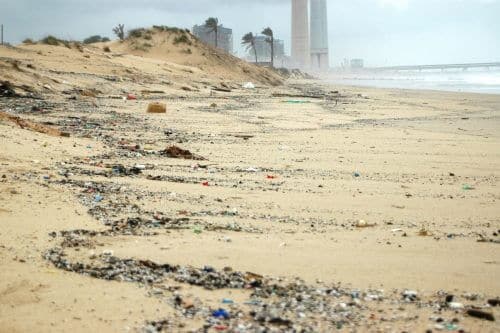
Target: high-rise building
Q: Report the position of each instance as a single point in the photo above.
(301, 54)
(224, 38)
(319, 35)
(263, 48)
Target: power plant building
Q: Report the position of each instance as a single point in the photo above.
(310, 34)
(224, 38)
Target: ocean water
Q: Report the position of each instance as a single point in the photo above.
(486, 82)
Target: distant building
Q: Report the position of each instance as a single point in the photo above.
(224, 39)
(264, 50)
(357, 63)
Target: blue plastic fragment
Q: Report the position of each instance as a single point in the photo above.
(221, 314)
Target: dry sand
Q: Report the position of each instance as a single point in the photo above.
(373, 189)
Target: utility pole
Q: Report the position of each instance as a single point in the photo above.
(1, 35)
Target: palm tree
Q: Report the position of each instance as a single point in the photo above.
(213, 24)
(119, 31)
(270, 39)
(249, 41)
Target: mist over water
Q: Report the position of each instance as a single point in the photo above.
(487, 82)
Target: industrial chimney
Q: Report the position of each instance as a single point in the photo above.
(301, 54)
(319, 36)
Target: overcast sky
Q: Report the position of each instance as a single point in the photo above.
(383, 32)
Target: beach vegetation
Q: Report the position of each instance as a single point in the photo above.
(212, 23)
(248, 41)
(268, 32)
(119, 31)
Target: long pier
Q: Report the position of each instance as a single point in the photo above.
(485, 65)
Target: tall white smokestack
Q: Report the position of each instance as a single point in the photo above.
(319, 36)
(301, 54)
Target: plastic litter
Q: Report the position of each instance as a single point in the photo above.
(296, 101)
(455, 305)
(249, 85)
(221, 314)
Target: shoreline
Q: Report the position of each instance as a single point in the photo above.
(424, 81)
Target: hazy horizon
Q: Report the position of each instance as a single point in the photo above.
(382, 32)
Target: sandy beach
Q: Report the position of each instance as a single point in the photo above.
(354, 209)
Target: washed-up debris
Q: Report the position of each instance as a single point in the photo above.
(243, 136)
(424, 233)
(274, 305)
(89, 92)
(221, 89)
(158, 326)
(176, 152)
(319, 96)
(120, 170)
(249, 85)
(410, 295)
(157, 108)
(494, 302)
(31, 125)
(364, 224)
(296, 101)
(134, 225)
(7, 90)
(455, 305)
(148, 272)
(481, 314)
(221, 313)
(131, 97)
(146, 92)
